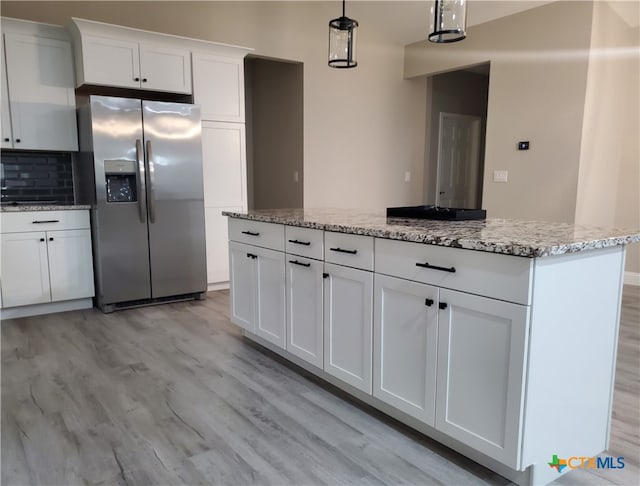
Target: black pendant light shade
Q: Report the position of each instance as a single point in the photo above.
(448, 21)
(342, 41)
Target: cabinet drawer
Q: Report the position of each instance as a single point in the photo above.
(304, 242)
(349, 250)
(503, 277)
(17, 222)
(267, 235)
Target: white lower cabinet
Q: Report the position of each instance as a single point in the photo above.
(258, 291)
(25, 270)
(348, 325)
(405, 337)
(481, 366)
(304, 309)
(70, 264)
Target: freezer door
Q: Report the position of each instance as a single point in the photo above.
(119, 219)
(175, 198)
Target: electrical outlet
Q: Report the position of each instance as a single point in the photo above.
(407, 176)
(296, 177)
(500, 176)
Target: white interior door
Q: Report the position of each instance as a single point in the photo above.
(458, 161)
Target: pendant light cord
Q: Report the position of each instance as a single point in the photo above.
(343, 1)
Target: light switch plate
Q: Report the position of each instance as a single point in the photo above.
(407, 176)
(500, 176)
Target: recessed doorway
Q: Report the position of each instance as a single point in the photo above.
(455, 137)
(274, 117)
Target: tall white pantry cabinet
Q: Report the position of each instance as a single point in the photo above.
(218, 87)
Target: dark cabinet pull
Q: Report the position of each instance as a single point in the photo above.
(136, 79)
(297, 242)
(442, 306)
(435, 267)
(340, 250)
(144, 80)
(17, 140)
(250, 233)
(51, 239)
(296, 262)
(7, 139)
(325, 275)
(251, 255)
(41, 239)
(46, 221)
(428, 302)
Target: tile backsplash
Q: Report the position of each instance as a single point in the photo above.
(36, 176)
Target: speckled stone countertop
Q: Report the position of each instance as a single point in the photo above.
(44, 207)
(506, 236)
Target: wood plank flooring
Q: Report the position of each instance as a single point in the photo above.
(173, 394)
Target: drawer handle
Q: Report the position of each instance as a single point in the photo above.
(340, 250)
(435, 267)
(296, 262)
(428, 302)
(41, 239)
(51, 239)
(442, 305)
(46, 221)
(251, 255)
(297, 242)
(250, 233)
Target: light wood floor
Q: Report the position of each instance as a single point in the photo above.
(173, 394)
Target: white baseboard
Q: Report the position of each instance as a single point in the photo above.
(218, 286)
(48, 308)
(632, 278)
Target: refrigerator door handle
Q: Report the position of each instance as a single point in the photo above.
(152, 195)
(142, 206)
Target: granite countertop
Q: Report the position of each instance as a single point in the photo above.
(506, 236)
(45, 207)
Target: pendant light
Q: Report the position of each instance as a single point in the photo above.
(448, 21)
(342, 41)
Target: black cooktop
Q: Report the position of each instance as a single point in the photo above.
(436, 212)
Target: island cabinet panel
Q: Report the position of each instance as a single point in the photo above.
(348, 325)
(503, 277)
(304, 284)
(243, 291)
(258, 299)
(482, 354)
(267, 235)
(405, 349)
(349, 250)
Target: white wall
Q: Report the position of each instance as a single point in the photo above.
(539, 61)
(609, 177)
(363, 128)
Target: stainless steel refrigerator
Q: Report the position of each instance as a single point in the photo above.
(140, 165)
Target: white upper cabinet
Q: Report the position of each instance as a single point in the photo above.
(218, 87)
(129, 64)
(165, 69)
(109, 62)
(38, 99)
(7, 136)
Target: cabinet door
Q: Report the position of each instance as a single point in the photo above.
(70, 264)
(481, 365)
(25, 273)
(243, 285)
(165, 69)
(110, 62)
(406, 344)
(218, 87)
(5, 130)
(270, 296)
(348, 296)
(224, 164)
(304, 308)
(40, 81)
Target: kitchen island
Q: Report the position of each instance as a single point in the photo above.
(495, 337)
